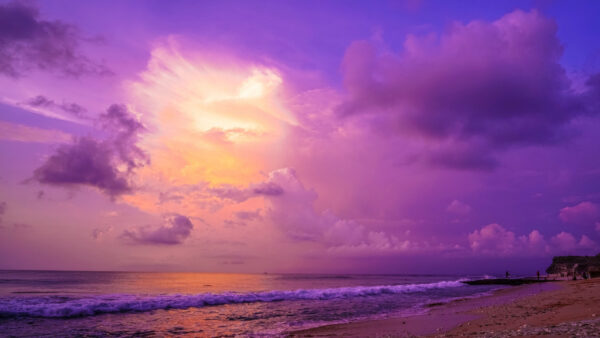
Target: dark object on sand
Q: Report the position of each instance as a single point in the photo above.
(504, 281)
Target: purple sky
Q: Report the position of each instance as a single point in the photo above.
(304, 136)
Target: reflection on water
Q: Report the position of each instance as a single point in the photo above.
(125, 303)
(129, 282)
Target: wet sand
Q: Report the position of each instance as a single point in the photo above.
(563, 308)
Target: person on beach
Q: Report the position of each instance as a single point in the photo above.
(538, 274)
(507, 274)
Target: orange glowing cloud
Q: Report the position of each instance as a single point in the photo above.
(210, 122)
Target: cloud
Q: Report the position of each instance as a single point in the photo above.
(477, 89)
(84, 162)
(241, 194)
(230, 192)
(175, 230)
(99, 233)
(125, 130)
(223, 136)
(103, 164)
(458, 208)
(164, 197)
(22, 133)
(2, 210)
(587, 243)
(14, 226)
(495, 240)
(248, 215)
(21, 226)
(242, 217)
(293, 213)
(269, 189)
(41, 101)
(564, 241)
(29, 42)
(584, 213)
(290, 208)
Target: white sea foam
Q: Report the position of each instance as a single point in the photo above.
(52, 306)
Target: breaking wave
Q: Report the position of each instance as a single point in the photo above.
(65, 307)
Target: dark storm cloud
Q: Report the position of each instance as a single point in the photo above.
(98, 163)
(86, 162)
(29, 42)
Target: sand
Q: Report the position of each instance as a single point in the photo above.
(566, 308)
(575, 307)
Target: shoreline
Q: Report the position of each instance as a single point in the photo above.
(505, 311)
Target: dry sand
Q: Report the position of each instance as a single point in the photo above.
(566, 308)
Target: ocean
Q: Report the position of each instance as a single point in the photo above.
(61, 303)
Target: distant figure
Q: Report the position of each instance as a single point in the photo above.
(507, 274)
(538, 274)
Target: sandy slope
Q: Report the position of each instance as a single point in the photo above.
(569, 308)
(541, 314)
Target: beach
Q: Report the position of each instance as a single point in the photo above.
(564, 308)
(63, 303)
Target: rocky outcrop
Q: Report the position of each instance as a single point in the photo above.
(575, 265)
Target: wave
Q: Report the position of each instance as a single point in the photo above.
(65, 307)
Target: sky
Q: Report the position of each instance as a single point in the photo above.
(299, 136)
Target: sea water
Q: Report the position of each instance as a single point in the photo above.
(59, 303)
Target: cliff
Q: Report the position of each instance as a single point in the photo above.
(566, 265)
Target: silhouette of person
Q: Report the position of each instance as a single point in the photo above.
(507, 274)
(538, 274)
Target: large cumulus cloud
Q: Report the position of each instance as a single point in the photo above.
(106, 164)
(29, 42)
(476, 89)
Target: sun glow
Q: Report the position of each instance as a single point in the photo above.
(210, 121)
(259, 83)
